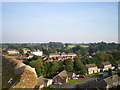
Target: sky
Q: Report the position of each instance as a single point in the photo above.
(74, 22)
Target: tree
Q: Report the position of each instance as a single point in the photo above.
(109, 72)
(77, 64)
(80, 50)
(5, 52)
(55, 67)
(92, 49)
(69, 65)
(47, 68)
(35, 57)
(118, 73)
(83, 71)
(102, 56)
(38, 65)
(22, 52)
(66, 44)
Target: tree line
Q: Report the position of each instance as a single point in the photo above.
(50, 69)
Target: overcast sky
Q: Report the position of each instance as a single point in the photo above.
(61, 22)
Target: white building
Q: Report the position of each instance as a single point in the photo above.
(37, 53)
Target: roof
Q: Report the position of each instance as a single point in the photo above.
(118, 62)
(64, 74)
(105, 63)
(46, 80)
(54, 54)
(93, 83)
(69, 73)
(63, 53)
(40, 80)
(71, 53)
(109, 81)
(26, 49)
(90, 65)
(12, 50)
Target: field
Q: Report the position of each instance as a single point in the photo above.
(71, 46)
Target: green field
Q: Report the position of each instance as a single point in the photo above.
(85, 46)
(71, 46)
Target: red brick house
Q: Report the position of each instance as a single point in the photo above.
(63, 76)
(116, 64)
(13, 51)
(104, 66)
(25, 50)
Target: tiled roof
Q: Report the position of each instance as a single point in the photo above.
(64, 74)
(54, 54)
(109, 81)
(90, 65)
(40, 80)
(71, 54)
(105, 63)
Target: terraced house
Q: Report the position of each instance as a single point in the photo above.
(91, 68)
(116, 64)
(13, 51)
(104, 66)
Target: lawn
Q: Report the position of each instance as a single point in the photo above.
(71, 81)
(91, 75)
(85, 46)
(71, 46)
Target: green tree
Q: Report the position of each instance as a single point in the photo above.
(35, 57)
(38, 65)
(83, 71)
(109, 72)
(54, 68)
(80, 50)
(102, 56)
(69, 65)
(21, 52)
(77, 64)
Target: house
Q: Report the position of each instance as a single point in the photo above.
(106, 83)
(43, 82)
(63, 76)
(71, 55)
(37, 53)
(40, 82)
(29, 56)
(13, 51)
(116, 64)
(25, 50)
(62, 55)
(91, 68)
(54, 55)
(104, 66)
(47, 82)
(109, 82)
(71, 75)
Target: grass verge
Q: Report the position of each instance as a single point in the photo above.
(71, 81)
